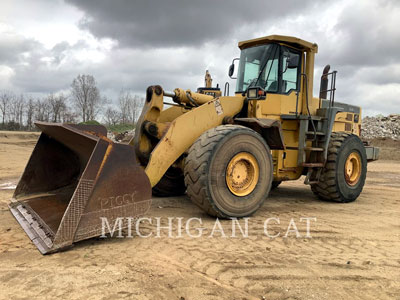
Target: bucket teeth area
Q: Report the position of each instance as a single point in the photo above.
(38, 233)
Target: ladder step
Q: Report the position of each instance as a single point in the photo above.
(318, 132)
(313, 149)
(313, 165)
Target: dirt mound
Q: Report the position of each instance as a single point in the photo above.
(389, 148)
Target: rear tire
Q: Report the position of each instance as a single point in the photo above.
(228, 171)
(342, 179)
(171, 184)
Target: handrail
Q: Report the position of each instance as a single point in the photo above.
(226, 87)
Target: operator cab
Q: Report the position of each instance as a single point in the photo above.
(271, 64)
(273, 68)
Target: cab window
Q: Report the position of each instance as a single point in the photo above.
(290, 76)
(271, 75)
(259, 66)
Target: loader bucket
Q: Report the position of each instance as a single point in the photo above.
(74, 178)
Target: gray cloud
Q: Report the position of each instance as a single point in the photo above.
(173, 44)
(43, 70)
(12, 46)
(176, 23)
(367, 33)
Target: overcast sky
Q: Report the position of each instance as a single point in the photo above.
(132, 44)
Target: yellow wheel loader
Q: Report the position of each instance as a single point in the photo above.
(226, 152)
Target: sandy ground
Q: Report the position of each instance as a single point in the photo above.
(353, 252)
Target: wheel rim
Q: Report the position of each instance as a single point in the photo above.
(352, 169)
(242, 174)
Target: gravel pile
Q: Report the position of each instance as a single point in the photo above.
(381, 127)
(123, 137)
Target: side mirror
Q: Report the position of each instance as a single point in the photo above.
(232, 68)
(293, 61)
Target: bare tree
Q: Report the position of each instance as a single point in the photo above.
(129, 106)
(124, 101)
(135, 107)
(21, 108)
(6, 97)
(30, 110)
(43, 110)
(17, 109)
(112, 116)
(68, 116)
(86, 96)
(57, 105)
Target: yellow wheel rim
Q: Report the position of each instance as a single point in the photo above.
(352, 168)
(242, 174)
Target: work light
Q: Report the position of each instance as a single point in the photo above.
(256, 93)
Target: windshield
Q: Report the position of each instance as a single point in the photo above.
(258, 59)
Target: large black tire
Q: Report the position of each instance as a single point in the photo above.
(171, 184)
(333, 185)
(206, 167)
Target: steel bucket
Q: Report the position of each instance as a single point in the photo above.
(75, 177)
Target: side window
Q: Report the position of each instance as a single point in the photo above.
(271, 75)
(251, 70)
(289, 75)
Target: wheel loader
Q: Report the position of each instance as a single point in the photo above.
(225, 152)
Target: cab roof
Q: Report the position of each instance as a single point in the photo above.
(289, 40)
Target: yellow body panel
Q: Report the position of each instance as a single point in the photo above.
(171, 113)
(185, 130)
(345, 121)
(277, 104)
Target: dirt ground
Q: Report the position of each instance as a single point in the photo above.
(353, 251)
(390, 149)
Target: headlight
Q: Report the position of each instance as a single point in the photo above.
(256, 93)
(252, 93)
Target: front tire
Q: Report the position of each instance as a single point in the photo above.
(343, 177)
(228, 171)
(171, 184)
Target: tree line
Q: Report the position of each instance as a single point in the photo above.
(82, 103)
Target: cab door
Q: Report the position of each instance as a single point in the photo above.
(283, 86)
(283, 102)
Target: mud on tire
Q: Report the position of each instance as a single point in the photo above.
(332, 185)
(206, 165)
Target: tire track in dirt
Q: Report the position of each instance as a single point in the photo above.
(325, 257)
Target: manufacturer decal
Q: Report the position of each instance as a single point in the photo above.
(218, 107)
